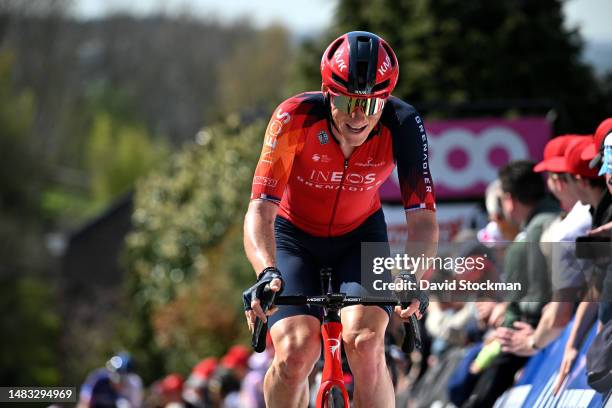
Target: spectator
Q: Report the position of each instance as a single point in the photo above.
(171, 390)
(447, 323)
(587, 185)
(599, 356)
(524, 201)
(605, 309)
(592, 190)
(236, 359)
(251, 391)
(195, 390)
(500, 231)
(500, 228)
(601, 149)
(224, 385)
(567, 271)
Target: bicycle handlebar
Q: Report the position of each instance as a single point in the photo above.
(327, 300)
(412, 338)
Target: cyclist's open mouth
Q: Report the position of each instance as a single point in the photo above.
(356, 129)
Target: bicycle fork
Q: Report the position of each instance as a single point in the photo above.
(332, 376)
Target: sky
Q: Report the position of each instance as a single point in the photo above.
(298, 16)
(593, 16)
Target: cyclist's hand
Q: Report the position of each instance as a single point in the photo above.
(411, 309)
(268, 281)
(414, 302)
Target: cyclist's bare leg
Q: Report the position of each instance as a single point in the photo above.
(297, 347)
(363, 333)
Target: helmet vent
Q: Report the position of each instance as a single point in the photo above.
(381, 85)
(390, 53)
(362, 74)
(339, 80)
(333, 49)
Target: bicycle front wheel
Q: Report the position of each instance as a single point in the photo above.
(334, 399)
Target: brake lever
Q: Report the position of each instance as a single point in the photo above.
(260, 331)
(412, 338)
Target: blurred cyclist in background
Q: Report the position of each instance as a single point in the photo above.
(116, 384)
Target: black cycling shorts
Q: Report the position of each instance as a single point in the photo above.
(300, 257)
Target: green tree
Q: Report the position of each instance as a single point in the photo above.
(118, 150)
(253, 78)
(185, 255)
(30, 329)
(118, 154)
(29, 322)
(458, 51)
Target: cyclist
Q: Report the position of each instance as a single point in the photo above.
(117, 382)
(315, 199)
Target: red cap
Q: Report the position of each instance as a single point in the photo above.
(205, 368)
(554, 151)
(237, 356)
(172, 383)
(602, 131)
(574, 162)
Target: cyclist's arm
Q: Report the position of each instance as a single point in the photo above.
(271, 176)
(411, 153)
(259, 241)
(422, 235)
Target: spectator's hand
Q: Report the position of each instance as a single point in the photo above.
(603, 230)
(497, 315)
(566, 365)
(483, 311)
(518, 340)
(502, 334)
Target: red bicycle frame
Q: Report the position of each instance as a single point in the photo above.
(331, 332)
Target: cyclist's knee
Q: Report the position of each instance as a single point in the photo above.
(296, 347)
(364, 332)
(364, 341)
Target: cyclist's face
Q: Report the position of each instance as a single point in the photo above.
(354, 128)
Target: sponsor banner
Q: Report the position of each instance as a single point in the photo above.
(452, 218)
(465, 155)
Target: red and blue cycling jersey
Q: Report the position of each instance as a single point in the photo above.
(303, 169)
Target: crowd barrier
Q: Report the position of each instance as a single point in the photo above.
(535, 386)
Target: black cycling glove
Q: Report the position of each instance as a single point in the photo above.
(257, 291)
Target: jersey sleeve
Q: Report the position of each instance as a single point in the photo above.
(281, 143)
(411, 154)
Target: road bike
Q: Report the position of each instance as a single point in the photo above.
(332, 391)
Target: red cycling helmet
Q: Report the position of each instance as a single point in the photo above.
(359, 64)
